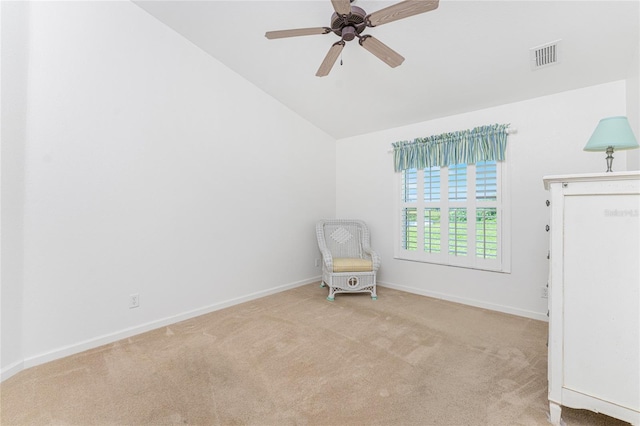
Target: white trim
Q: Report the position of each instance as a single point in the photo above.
(505, 217)
(469, 302)
(11, 370)
(132, 331)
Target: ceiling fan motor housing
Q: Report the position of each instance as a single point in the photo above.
(349, 26)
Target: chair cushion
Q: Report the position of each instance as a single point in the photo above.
(348, 264)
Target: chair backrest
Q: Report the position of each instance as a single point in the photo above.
(343, 238)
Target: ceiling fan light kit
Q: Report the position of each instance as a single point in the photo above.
(348, 22)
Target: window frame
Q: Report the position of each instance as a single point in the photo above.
(502, 204)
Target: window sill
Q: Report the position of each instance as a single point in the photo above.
(502, 270)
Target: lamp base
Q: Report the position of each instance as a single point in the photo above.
(609, 158)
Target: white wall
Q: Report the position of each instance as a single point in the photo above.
(149, 168)
(633, 109)
(14, 26)
(551, 132)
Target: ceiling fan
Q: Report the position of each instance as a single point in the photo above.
(349, 21)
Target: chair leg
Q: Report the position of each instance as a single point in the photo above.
(331, 296)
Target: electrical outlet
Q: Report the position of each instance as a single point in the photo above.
(134, 300)
(317, 263)
(544, 292)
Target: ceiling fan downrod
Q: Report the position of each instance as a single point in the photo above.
(349, 33)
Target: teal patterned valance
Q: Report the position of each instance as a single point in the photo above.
(485, 143)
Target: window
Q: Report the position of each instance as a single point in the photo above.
(455, 215)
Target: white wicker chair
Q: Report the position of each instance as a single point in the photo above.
(349, 265)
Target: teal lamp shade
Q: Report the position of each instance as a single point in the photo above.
(612, 133)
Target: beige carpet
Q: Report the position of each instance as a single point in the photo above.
(296, 359)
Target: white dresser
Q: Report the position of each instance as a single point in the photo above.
(594, 294)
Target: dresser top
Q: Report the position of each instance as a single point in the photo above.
(591, 177)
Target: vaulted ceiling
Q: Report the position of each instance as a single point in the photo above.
(463, 56)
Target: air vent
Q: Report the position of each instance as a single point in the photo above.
(545, 55)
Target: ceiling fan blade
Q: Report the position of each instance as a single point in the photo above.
(342, 7)
(401, 10)
(381, 50)
(330, 59)
(296, 32)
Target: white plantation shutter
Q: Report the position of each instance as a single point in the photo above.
(458, 231)
(432, 184)
(486, 181)
(432, 230)
(487, 232)
(458, 217)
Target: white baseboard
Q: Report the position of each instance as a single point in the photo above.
(62, 352)
(142, 328)
(471, 302)
(11, 370)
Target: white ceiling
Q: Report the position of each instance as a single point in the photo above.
(463, 56)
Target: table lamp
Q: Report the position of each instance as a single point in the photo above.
(612, 133)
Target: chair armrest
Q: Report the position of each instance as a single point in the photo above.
(375, 258)
(327, 259)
